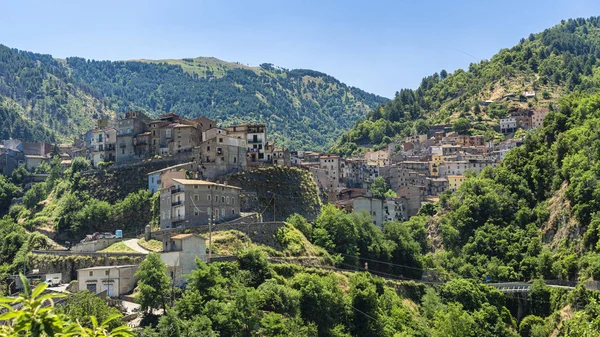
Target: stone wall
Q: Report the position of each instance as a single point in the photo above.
(93, 246)
(260, 233)
(69, 264)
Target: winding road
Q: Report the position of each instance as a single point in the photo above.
(133, 244)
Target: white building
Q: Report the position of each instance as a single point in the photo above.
(116, 280)
(180, 253)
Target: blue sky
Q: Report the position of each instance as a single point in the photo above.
(378, 46)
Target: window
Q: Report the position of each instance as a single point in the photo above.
(227, 199)
(208, 197)
(220, 140)
(107, 272)
(232, 200)
(208, 149)
(128, 130)
(196, 211)
(233, 211)
(196, 197)
(216, 198)
(91, 273)
(223, 199)
(223, 212)
(196, 186)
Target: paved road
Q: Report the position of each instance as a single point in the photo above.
(133, 244)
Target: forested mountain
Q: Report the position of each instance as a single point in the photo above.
(554, 62)
(40, 101)
(302, 108)
(44, 98)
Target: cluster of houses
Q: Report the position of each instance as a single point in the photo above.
(217, 150)
(418, 170)
(15, 153)
(523, 119)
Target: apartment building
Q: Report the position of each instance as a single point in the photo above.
(128, 128)
(191, 202)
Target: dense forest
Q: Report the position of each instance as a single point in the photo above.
(302, 108)
(553, 63)
(45, 99)
(40, 101)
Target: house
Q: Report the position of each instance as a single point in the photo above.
(373, 206)
(508, 125)
(256, 138)
(180, 253)
(190, 203)
(454, 182)
(538, 118)
(128, 128)
(116, 280)
(529, 94)
(154, 178)
(220, 154)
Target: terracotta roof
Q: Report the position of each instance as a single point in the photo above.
(202, 182)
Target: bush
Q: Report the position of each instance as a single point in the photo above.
(301, 224)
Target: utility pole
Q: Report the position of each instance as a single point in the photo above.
(210, 220)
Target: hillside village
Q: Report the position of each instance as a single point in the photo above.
(417, 169)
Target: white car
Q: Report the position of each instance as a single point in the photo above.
(53, 282)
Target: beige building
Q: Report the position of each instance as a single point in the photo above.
(256, 138)
(116, 280)
(190, 202)
(180, 253)
(454, 182)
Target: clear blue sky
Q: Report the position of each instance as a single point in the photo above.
(378, 46)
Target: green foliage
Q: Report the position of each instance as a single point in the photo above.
(8, 191)
(461, 126)
(564, 58)
(300, 223)
(81, 306)
(153, 283)
(37, 317)
(255, 261)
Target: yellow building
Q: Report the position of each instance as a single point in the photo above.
(454, 182)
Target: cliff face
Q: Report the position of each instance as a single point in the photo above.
(280, 190)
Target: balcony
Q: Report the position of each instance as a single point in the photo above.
(179, 218)
(176, 190)
(255, 141)
(122, 145)
(177, 203)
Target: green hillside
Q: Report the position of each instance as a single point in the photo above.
(302, 108)
(42, 98)
(554, 62)
(40, 101)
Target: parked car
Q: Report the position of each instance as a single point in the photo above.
(109, 236)
(53, 282)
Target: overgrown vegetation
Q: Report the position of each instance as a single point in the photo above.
(557, 61)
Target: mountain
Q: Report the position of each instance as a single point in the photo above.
(40, 101)
(56, 99)
(554, 62)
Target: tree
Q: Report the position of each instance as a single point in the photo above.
(301, 224)
(153, 283)
(83, 305)
(8, 191)
(443, 74)
(378, 187)
(421, 126)
(37, 317)
(461, 125)
(255, 261)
